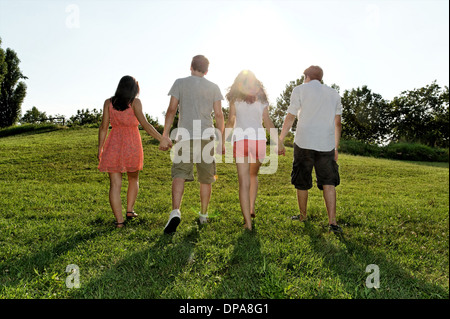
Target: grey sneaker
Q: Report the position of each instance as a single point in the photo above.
(174, 221)
(203, 218)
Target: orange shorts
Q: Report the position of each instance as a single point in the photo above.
(255, 149)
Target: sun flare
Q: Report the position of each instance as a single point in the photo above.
(254, 36)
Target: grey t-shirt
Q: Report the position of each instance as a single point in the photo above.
(196, 96)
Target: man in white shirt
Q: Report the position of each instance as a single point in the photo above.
(318, 109)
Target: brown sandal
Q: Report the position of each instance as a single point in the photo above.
(119, 225)
(131, 216)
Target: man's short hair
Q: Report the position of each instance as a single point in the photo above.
(200, 63)
(314, 72)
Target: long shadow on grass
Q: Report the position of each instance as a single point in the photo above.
(242, 278)
(349, 263)
(146, 274)
(16, 269)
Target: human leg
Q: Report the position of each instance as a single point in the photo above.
(177, 192)
(177, 196)
(301, 178)
(254, 169)
(182, 171)
(329, 195)
(327, 172)
(132, 192)
(302, 200)
(115, 201)
(206, 171)
(175, 214)
(243, 170)
(205, 196)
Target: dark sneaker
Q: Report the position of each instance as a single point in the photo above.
(174, 221)
(335, 228)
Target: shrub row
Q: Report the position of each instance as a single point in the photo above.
(398, 151)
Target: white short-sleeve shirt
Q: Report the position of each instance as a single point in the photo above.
(249, 118)
(315, 105)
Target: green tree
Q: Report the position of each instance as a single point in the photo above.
(278, 113)
(366, 116)
(155, 123)
(34, 116)
(12, 92)
(422, 116)
(85, 117)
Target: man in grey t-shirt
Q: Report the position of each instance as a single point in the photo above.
(195, 98)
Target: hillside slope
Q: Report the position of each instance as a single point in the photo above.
(54, 211)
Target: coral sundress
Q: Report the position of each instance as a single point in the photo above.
(122, 151)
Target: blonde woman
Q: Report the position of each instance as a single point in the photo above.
(249, 108)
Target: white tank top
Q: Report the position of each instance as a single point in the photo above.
(249, 118)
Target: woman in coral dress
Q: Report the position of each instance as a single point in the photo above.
(122, 152)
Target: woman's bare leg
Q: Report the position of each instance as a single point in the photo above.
(243, 170)
(254, 169)
(133, 190)
(115, 187)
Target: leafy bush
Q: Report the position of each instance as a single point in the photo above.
(415, 152)
(399, 151)
(355, 147)
(154, 122)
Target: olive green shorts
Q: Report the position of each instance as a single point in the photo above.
(198, 152)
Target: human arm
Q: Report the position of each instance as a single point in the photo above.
(103, 129)
(170, 116)
(337, 135)
(287, 124)
(289, 120)
(220, 124)
(268, 124)
(137, 108)
(230, 121)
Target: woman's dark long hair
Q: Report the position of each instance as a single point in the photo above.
(126, 92)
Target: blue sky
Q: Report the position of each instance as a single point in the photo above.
(75, 52)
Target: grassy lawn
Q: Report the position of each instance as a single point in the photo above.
(54, 211)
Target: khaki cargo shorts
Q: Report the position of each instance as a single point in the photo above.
(198, 152)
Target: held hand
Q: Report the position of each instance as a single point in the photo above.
(170, 143)
(220, 149)
(165, 144)
(281, 148)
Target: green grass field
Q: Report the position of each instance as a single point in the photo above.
(54, 211)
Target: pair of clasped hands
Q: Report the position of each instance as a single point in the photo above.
(166, 144)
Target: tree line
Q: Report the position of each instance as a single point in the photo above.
(415, 116)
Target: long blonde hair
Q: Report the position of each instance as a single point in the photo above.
(246, 87)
